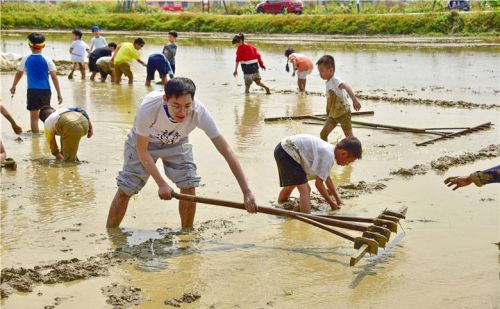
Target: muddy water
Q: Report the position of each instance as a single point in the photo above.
(446, 258)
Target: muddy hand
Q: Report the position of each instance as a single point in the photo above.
(249, 201)
(357, 105)
(458, 182)
(17, 129)
(165, 192)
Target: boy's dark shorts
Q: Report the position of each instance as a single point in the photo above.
(290, 171)
(36, 98)
(156, 63)
(92, 63)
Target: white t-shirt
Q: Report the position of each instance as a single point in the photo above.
(98, 42)
(151, 120)
(50, 122)
(333, 85)
(314, 154)
(79, 48)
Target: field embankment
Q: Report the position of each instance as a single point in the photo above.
(44, 17)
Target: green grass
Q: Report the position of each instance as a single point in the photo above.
(107, 16)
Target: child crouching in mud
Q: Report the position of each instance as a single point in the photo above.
(302, 65)
(302, 157)
(250, 60)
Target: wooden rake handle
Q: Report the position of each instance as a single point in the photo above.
(273, 211)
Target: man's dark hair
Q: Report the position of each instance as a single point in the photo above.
(289, 51)
(139, 41)
(77, 32)
(45, 112)
(178, 86)
(239, 38)
(326, 61)
(352, 145)
(173, 33)
(112, 44)
(36, 38)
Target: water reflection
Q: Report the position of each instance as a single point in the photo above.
(249, 124)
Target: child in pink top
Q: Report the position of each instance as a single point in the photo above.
(301, 64)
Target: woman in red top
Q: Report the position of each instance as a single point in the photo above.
(250, 61)
(301, 64)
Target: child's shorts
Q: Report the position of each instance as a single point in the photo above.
(303, 74)
(177, 163)
(156, 63)
(92, 63)
(250, 78)
(36, 98)
(122, 68)
(290, 171)
(77, 59)
(344, 121)
(72, 126)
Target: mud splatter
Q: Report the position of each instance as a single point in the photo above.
(24, 279)
(444, 163)
(416, 101)
(121, 296)
(419, 169)
(186, 298)
(346, 192)
(407, 100)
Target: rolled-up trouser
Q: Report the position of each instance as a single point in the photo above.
(71, 126)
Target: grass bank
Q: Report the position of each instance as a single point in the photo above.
(41, 17)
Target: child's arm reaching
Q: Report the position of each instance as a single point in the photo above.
(355, 102)
(333, 191)
(324, 193)
(141, 62)
(235, 73)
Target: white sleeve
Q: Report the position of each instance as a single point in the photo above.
(50, 64)
(206, 122)
(72, 45)
(337, 81)
(21, 66)
(143, 121)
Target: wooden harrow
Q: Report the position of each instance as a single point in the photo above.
(443, 133)
(374, 235)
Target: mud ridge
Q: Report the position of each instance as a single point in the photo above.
(186, 298)
(121, 296)
(406, 100)
(24, 279)
(444, 163)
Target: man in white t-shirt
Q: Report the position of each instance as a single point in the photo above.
(161, 128)
(78, 50)
(305, 157)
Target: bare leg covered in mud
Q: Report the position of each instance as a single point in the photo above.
(118, 209)
(259, 83)
(34, 121)
(187, 209)
(302, 84)
(304, 200)
(327, 129)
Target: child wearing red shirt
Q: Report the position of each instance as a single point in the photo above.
(250, 61)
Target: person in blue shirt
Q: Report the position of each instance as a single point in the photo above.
(479, 178)
(38, 67)
(158, 62)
